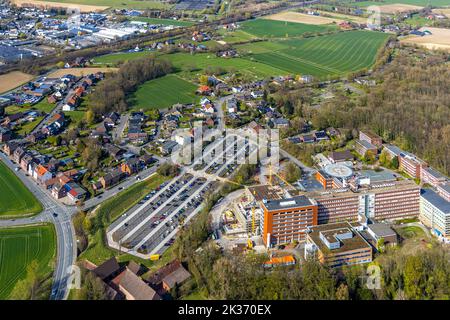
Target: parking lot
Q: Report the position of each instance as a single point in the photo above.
(150, 226)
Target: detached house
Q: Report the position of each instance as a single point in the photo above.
(41, 174)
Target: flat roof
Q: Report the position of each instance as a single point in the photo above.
(445, 186)
(434, 173)
(289, 203)
(366, 144)
(381, 229)
(436, 200)
(377, 176)
(356, 242)
(382, 187)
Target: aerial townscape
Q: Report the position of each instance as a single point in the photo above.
(224, 150)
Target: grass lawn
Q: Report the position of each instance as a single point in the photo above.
(26, 128)
(20, 246)
(165, 22)
(410, 232)
(321, 56)
(264, 28)
(75, 116)
(44, 106)
(115, 58)
(97, 250)
(163, 92)
(15, 198)
(236, 36)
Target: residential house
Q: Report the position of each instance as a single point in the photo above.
(18, 154)
(131, 166)
(169, 276)
(9, 148)
(133, 287)
(26, 160)
(5, 134)
(279, 123)
(41, 174)
(111, 179)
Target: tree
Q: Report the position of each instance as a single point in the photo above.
(394, 163)
(292, 172)
(414, 277)
(342, 292)
(90, 117)
(168, 170)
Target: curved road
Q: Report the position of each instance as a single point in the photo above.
(66, 241)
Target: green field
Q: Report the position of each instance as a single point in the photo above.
(321, 56)
(164, 92)
(130, 4)
(264, 28)
(165, 22)
(20, 246)
(15, 198)
(199, 61)
(423, 3)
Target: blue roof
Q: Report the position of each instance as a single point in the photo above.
(437, 201)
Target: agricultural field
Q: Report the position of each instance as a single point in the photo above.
(438, 40)
(83, 6)
(115, 58)
(445, 12)
(321, 56)
(265, 28)
(164, 92)
(13, 80)
(15, 198)
(79, 72)
(397, 8)
(298, 17)
(18, 247)
(165, 22)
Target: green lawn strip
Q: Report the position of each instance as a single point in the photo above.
(15, 199)
(21, 245)
(97, 250)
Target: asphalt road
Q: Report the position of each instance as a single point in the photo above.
(66, 241)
